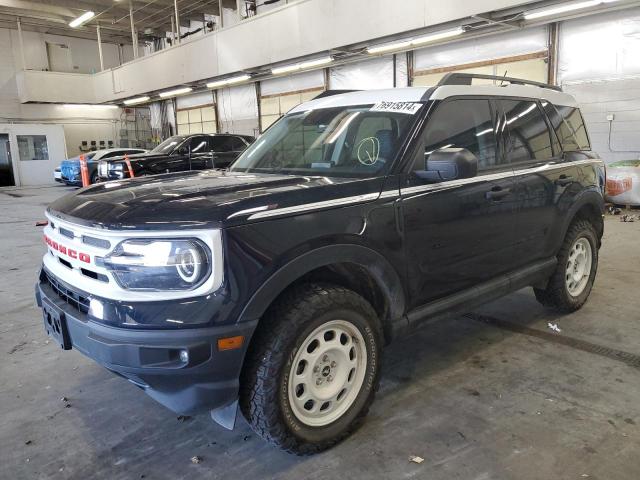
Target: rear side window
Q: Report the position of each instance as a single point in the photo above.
(527, 135)
(463, 123)
(574, 123)
(221, 143)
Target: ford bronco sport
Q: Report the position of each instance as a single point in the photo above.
(274, 286)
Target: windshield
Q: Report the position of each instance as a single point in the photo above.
(348, 141)
(169, 144)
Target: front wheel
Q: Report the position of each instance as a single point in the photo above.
(571, 283)
(313, 368)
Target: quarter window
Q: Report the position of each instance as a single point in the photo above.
(527, 135)
(574, 120)
(464, 123)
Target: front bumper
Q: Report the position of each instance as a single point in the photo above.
(151, 359)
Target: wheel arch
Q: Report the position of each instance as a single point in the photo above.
(590, 207)
(353, 266)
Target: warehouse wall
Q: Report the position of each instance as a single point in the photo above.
(300, 28)
(79, 124)
(599, 63)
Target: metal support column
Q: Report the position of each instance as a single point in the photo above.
(221, 21)
(175, 6)
(100, 47)
(238, 7)
(134, 36)
(173, 30)
(21, 40)
(552, 60)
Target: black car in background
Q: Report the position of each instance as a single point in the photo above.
(179, 153)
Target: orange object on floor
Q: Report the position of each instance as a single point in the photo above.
(84, 171)
(128, 162)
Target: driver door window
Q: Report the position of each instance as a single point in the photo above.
(464, 123)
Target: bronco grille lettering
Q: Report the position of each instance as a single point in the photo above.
(69, 252)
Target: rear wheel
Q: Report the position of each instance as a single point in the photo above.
(571, 283)
(94, 178)
(313, 368)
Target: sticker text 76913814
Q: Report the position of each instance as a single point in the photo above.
(399, 107)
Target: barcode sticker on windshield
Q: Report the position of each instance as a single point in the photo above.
(400, 107)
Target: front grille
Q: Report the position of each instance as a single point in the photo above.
(66, 233)
(96, 242)
(73, 299)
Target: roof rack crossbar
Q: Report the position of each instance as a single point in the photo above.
(459, 78)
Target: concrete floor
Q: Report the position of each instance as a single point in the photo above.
(475, 400)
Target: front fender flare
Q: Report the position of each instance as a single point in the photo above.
(376, 265)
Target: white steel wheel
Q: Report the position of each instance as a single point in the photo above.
(578, 266)
(327, 373)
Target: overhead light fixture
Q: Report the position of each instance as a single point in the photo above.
(389, 47)
(430, 37)
(228, 81)
(302, 65)
(86, 16)
(173, 93)
(133, 101)
(86, 105)
(563, 9)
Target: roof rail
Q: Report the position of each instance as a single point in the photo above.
(458, 78)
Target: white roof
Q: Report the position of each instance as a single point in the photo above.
(417, 94)
(365, 97)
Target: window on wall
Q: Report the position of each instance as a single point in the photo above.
(272, 107)
(197, 120)
(32, 147)
(535, 69)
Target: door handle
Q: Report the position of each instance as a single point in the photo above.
(497, 193)
(564, 180)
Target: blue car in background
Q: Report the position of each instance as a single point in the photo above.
(70, 169)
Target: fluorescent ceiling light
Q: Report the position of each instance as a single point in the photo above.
(388, 47)
(81, 19)
(302, 65)
(133, 101)
(558, 9)
(86, 105)
(228, 81)
(431, 37)
(177, 91)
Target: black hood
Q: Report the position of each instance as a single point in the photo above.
(136, 156)
(205, 199)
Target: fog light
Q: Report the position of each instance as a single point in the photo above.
(184, 356)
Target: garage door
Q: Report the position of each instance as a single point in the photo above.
(521, 54)
(385, 72)
(279, 95)
(238, 109)
(196, 114)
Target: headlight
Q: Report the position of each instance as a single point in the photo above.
(160, 264)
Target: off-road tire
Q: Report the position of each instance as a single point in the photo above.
(94, 178)
(556, 294)
(264, 399)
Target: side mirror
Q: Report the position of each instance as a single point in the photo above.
(183, 150)
(449, 164)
